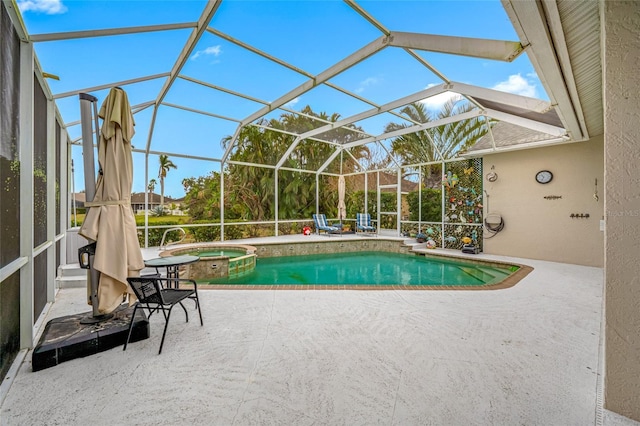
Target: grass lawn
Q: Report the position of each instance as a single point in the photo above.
(153, 220)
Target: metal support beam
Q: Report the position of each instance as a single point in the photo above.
(413, 129)
(258, 52)
(329, 160)
(201, 26)
(288, 152)
(222, 89)
(109, 85)
(373, 21)
(519, 101)
(351, 60)
(423, 94)
(276, 200)
(232, 143)
(463, 46)
(525, 122)
(36, 38)
(51, 197)
(27, 319)
(198, 111)
(222, 201)
(289, 66)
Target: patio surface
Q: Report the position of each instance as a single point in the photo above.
(526, 355)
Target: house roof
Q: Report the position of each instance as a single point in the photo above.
(505, 134)
(139, 197)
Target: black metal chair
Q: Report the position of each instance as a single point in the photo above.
(153, 296)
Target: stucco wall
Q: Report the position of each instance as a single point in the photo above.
(621, 59)
(539, 228)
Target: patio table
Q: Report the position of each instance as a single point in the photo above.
(172, 264)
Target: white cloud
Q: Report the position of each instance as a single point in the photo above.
(50, 7)
(292, 102)
(369, 81)
(436, 102)
(211, 50)
(518, 85)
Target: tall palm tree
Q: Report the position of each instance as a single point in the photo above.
(165, 166)
(438, 143)
(448, 139)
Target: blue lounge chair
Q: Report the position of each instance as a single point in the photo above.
(320, 221)
(363, 223)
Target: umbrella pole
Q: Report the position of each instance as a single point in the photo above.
(86, 102)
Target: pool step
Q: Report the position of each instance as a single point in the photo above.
(484, 274)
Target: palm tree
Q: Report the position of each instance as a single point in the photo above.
(448, 140)
(165, 166)
(438, 143)
(152, 185)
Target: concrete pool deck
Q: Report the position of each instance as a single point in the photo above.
(530, 354)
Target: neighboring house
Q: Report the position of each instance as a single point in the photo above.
(171, 205)
(79, 199)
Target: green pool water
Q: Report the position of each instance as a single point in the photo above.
(367, 268)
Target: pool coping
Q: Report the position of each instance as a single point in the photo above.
(249, 249)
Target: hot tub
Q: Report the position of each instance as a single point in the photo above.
(216, 260)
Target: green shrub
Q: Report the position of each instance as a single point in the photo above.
(155, 234)
(290, 228)
(235, 232)
(431, 205)
(204, 233)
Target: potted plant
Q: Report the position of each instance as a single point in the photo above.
(420, 237)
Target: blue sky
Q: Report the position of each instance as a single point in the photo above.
(311, 35)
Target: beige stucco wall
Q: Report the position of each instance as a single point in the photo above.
(621, 75)
(539, 228)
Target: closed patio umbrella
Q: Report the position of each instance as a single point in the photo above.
(342, 207)
(110, 221)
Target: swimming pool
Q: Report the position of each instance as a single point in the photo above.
(369, 268)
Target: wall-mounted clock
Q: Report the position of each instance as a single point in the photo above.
(544, 176)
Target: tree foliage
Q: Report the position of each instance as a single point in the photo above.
(431, 204)
(165, 166)
(250, 190)
(437, 143)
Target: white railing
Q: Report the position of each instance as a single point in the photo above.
(184, 235)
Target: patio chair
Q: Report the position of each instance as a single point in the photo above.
(320, 220)
(154, 297)
(363, 223)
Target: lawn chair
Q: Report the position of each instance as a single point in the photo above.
(153, 296)
(363, 223)
(320, 220)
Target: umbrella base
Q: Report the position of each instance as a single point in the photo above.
(67, 338)
(95, 319)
